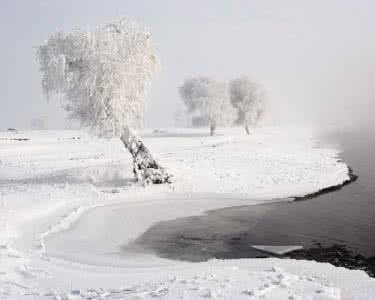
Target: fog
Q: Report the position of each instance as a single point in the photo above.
(316, 59)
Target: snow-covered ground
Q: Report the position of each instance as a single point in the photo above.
(69, 205)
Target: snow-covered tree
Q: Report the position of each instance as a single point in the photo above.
(210, 99)
(248, 97)
(181, 117)
(102, 75)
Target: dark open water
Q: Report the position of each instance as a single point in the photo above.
(345, 217)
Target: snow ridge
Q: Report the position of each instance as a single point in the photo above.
(63, 224)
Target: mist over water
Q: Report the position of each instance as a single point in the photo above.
(316, 59)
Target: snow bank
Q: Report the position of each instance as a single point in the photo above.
(271, 163)
(50, 181)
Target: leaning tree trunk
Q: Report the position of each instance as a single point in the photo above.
(247, 129)
(212, 129)
(145, 168)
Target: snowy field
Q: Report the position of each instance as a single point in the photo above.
(62, 238)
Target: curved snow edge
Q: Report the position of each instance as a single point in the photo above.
(64, 224)
(352, 177)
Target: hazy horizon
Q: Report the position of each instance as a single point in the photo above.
(315, 59)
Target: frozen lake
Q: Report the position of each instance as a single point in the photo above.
(344, 217)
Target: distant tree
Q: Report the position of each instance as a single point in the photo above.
(248, 97)
(102, 74)
(199, 121)
(181, 118)
(38, 123)
(210, 98)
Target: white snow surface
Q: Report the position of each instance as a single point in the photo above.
(61, 190)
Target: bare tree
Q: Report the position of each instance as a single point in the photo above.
(248, 97)
(210, 99)
(103, 74)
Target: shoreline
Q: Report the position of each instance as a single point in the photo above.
(337, 255)
(352, 178)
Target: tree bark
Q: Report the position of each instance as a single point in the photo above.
(212, 129)
(145, 168)
(247, 129)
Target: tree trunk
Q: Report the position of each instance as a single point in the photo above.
(145, 168)
(212, 129)
(247, 129)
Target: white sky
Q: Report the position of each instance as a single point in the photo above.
(315, 58)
